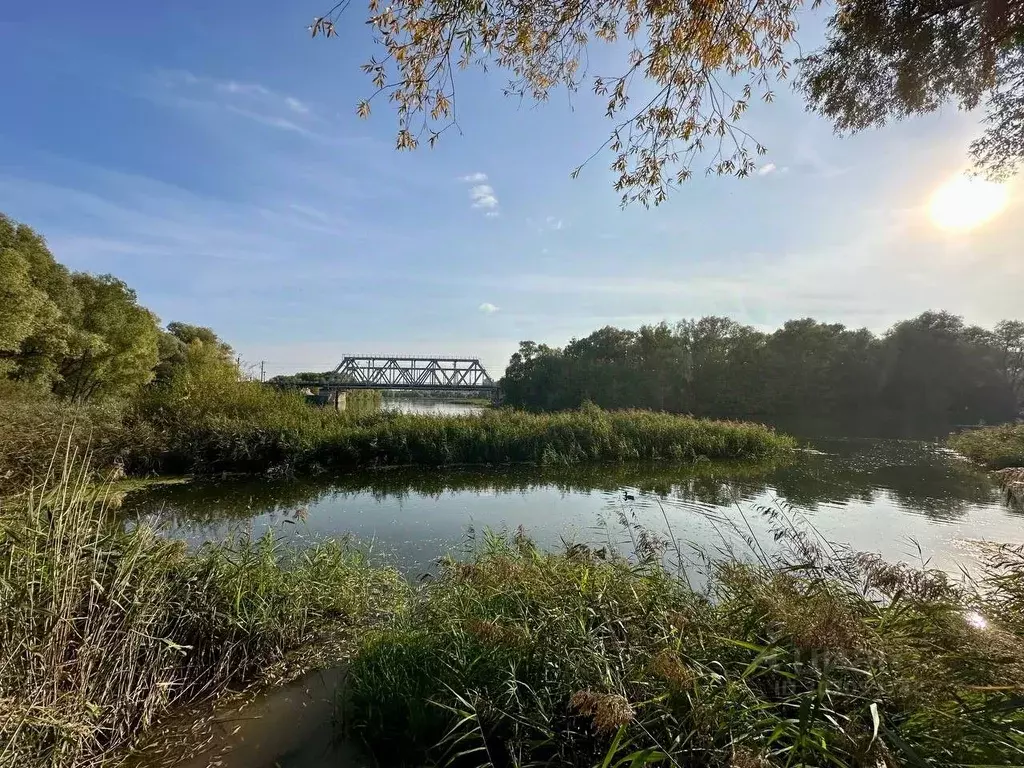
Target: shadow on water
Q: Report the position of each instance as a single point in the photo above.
(291, 726)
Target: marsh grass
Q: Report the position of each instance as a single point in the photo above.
(104, 630)
(814, 656)
(995, 447)
(220, 424)
(315, 440)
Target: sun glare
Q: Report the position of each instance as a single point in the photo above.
(964, 203)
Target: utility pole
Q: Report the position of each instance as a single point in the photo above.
(262, 371)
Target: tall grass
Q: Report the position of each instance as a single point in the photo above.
(103, 630)
(310, 440)
(995, 447)
(218, 423)
(30, 427)
(519, 657)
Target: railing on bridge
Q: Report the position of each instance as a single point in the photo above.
(422, 373)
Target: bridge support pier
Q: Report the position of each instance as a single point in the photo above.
(338, 399)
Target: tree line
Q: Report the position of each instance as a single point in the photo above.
(85, 337)
(924, 376)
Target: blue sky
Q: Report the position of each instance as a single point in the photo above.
(209, 155)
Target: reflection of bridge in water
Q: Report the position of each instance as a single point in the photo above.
(392, 372)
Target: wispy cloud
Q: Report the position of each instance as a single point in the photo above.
(231, 86)
(487, 308)
(273, 121)
(474, 178)
(296, 106)
(765, 169)
(547, 224)
(254, 101)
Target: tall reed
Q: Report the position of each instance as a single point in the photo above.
(580, 658)
(103, 630)
(312, 441)
(995, 447)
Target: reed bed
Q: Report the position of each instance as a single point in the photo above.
(104, 630)
(580, 658)
(495, 437)
(994, 447)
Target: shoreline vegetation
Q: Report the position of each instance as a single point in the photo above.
(197, 426)
(510, 655)
(104, 630)
(998, 447)
(924, 377)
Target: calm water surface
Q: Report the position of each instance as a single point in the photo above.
(904, 500)
(431, 407)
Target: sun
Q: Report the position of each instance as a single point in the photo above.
(964, 203)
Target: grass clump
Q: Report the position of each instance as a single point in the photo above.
(310, 440)
(103, 630)
(522, 657)
(995, 447)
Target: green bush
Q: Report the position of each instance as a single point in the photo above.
(995, 447)
(518, 657)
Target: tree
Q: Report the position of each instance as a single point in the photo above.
(889, 59)
(37, 299)
(926, 375)
(173, 345)
(699, 65)
(114, 347)
(1008, 340)
(23, 306)
(706, 60)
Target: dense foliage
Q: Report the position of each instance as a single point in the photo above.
(995, 447)
(921, 378)
(519, 657)
(888, 60)
(683, 74)
(81, 337)
(103, 630)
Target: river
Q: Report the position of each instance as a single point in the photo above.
(905, 500)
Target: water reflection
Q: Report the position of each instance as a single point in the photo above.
(431, 407)
(886, 496)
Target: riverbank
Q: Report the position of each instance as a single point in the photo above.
(994, 447)
(104, 631)
(576, 658)
(812, 656)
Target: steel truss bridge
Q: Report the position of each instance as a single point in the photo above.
(451, 374)
(455, 374)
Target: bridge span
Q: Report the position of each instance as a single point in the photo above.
(455, 374)
(396, 372)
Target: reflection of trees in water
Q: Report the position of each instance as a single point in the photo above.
(240, 498)
(912, 475)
